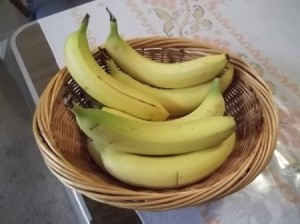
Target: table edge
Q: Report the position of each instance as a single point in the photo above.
(75, 198)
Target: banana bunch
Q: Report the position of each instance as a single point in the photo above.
(102, 87)
(161, 125)
(160, 154)
(177, 101)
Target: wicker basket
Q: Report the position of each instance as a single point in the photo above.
(248, 99)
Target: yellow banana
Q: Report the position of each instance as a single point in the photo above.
(101, 86)
(162, 172)
(152, 138)
(177, 102)
(163, 75)
(226, 77)
(212, 105)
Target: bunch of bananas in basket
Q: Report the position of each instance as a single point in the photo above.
(162, 125)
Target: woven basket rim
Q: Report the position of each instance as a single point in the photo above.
(57, 163)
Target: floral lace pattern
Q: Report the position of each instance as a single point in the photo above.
(269, 198)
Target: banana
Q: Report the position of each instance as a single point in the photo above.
(122, 114)
(94, 152)
(151, 138)
(163, 75)
(226, 77)
(212, 105)
(162, 172)
(101, 86)
(177, 102)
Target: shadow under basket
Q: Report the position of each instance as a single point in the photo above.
(248, 99)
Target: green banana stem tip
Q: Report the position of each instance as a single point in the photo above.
(114, 33)
(76, 109)
(112, 66)
(84, 22)
(111, 15)
(215, 87)
(73, 106)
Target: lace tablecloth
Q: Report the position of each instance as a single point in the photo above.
(264, 33)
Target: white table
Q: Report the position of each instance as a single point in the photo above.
(265, 34)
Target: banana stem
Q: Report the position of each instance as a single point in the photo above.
(215, 85)
(114, 33)
(84, 23)
(68, 101)
(112, 66)
(111, 15)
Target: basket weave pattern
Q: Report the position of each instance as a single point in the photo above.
(248, 99)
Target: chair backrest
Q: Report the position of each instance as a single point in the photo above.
(22, 8)
(36, 9)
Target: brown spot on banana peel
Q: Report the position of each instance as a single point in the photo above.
(227, 57)
(93, 127)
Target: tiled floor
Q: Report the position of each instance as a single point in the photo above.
(3, 46)
(29, 194)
